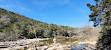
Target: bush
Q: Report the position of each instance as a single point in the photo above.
(8, 37)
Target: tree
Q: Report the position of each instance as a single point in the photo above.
(16, 24)
(101, 16)
(47, 33)
(16, 31)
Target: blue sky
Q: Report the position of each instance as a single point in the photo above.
(73, 13)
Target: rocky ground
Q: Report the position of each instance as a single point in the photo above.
(35, 44)
(30, 44)
(20, 44)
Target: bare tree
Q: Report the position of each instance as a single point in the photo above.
(87, 32)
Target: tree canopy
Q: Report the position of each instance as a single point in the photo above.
(101, 15)
(13, 23)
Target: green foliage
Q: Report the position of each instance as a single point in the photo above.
(101, 15)
(11, 22)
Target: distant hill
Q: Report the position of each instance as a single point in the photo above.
(12, 23)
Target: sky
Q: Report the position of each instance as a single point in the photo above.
(72, 13)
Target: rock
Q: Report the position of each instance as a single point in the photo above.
(19, 48)
(30, 49)
(4, 49)
(58, 46)
(67, 48)
(29, 44)
(42, 48)
(4, 46)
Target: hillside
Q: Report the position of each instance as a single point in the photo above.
(19, 26)
(20, 32)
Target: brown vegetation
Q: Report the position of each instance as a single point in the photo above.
(88, 33)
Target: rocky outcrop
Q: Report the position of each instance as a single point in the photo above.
(21, 44)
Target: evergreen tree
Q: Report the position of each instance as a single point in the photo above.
(101, 16)
(12, 23)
